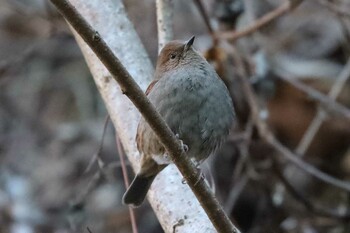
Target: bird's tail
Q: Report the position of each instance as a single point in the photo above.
(137, 191)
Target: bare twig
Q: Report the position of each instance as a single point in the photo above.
(129, 87)
(239, 179)
(126, 182)
(318, 210)
(310, 133)
(325, 102)
(268, 137)
(321, 115)
(305, 166)
(96, 156)
(205, 17)
(263, 21)
(235, 192)
(165, 15)
(335, 8)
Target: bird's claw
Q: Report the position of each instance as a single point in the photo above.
(200, 177)
(183, 145)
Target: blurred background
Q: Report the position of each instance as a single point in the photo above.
(52, 118)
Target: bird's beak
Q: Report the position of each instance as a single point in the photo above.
(189, 44)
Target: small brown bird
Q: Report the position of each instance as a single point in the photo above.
(194, 102)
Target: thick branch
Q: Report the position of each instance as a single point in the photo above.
(211, 206)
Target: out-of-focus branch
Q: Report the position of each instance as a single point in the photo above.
(335, 8)
(320, 116)
(270, 139)
(169, 194)
(325, 102)
(318, 210)
(165, 14)
(204, 15)
(263, 21)
(126, 182)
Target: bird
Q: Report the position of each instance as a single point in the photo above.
(195, 104)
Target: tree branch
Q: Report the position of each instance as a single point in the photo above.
(325, 102)
(129, 87)
(335, 8)
(165, 16)
(321, 115)
(318, 210)
(264, 20)
(270, 139)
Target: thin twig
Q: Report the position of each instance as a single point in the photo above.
(263, 21)
(96, 156)
(333, 7)
(165, 14)
(130, 88)
(239, 180)
(289, 155)
(321, 115)
(318, 210)
(269, 138)
(206, 19)
(126, 181)
(204, 15)
(235, 192)
(325, 102)
(310, 132)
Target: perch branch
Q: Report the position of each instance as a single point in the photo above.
(129, 87)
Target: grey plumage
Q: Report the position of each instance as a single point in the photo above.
(193, 101)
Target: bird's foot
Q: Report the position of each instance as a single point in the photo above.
(200, 176)
(184, 146)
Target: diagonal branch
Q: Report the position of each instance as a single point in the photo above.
(318, 210)
(129, 87)
(325, 102)
(343, 11)
(263, 21)
(321, 114)
(270, 139)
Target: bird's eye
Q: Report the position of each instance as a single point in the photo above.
(172, 56)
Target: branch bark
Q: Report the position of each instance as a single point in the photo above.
(165, 16)
(112, 24)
